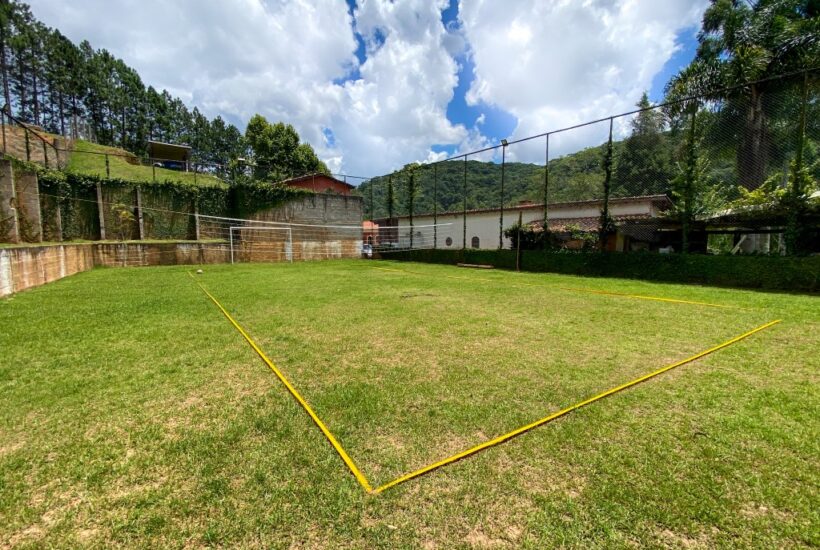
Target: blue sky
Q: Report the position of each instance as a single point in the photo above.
(414, 84)
(497, 123)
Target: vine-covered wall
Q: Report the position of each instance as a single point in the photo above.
(167, 208)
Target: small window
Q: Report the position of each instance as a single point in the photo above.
(474, 242)
(448, 241)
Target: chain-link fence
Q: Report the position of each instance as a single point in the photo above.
(734, 170)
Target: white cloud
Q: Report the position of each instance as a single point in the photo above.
(284, 59)
(549, 64)
(557, 64)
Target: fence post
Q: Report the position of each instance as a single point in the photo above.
(372, 208)
(795, 206)
(45, 154)
(546, 182)
(153, 170)
(58, 217)
(140, 221)
(3, 123)
(107, 167)
(501, 211)
(518, 243)
(605, 220)
(691, 166)
(390, 207)
(28, 145)
(101, 211)
(435, 206)
(464, 209)
(195, 170)
(411, 191)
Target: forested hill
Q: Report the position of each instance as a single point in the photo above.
(578, 176)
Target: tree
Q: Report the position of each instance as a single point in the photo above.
(277, 153)
(643, 164)
(748, 41)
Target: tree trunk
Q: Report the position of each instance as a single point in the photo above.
(753, 154)
(4, 68)
(35, 94)
(61, 110)
(22, 98)
(74, 130)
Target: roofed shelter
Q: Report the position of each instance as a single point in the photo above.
(320, 183)
(170, 155)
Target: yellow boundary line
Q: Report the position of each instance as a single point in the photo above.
(562, 412)
(472, 450)
(568, 289)
(330, 437)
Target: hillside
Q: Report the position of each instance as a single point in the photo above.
(89, 158)
(578, 176)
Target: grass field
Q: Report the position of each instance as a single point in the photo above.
(134, 414)
(86, 159)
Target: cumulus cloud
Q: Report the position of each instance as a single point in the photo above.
(556, 64)
(548, 63)
(289, 60)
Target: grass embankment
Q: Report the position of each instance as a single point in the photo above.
(89, 158)
(135, 415)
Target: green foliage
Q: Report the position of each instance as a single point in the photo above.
(90, 158)
(123, 221)
(644, 160)
(533, 237)
(247, 198)
(799, 274)
(277, 153)
(746, 42)
(167, 204)
(51, 82)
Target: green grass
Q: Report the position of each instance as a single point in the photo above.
(85, 159)
(135, 415)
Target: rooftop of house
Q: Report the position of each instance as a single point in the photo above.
(312, 177)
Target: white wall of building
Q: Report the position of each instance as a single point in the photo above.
(484, 225)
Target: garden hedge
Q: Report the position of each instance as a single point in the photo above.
(799, 274)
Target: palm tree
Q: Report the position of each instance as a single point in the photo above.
(750, 41)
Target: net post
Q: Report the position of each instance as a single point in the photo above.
(546, 180)
(691, 163)
(290, 244)
(411, 192)
(230, 238)
(435, 205)
(140, 221)
(464, 209)
(501, 209)
(518, 243)
(605, 221)
(101, 211)
(197, 234)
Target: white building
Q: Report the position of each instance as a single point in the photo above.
(484, 225)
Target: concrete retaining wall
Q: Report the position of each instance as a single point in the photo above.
(31, 266)
(22, 268)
